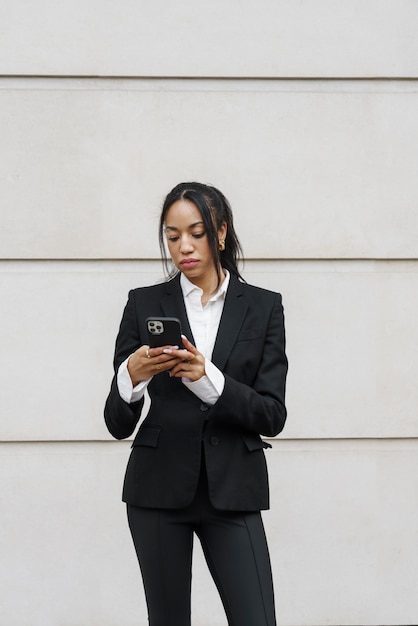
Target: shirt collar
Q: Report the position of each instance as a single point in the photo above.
(187, 286)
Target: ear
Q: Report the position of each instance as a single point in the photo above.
(222, 232)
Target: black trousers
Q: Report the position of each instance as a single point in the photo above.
(235, 548)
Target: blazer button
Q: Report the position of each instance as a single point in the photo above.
(214, 441)
(204, 407)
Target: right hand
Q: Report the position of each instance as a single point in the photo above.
(146, 362)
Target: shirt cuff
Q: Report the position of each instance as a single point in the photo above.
(127, 392)
(209, 387)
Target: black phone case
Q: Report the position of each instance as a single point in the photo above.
(164, 331)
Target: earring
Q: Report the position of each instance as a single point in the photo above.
(222, 245)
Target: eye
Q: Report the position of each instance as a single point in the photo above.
(199, 235)
(172, 239)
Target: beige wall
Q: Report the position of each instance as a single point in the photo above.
(330, 166)
(241, 38)
(304, 114)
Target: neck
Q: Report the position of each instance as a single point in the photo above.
(209, 284)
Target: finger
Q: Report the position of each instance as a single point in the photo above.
(151, 353)
(161, 364)
(191, 349)
(188, 345)
(186, 369)
(183, 355)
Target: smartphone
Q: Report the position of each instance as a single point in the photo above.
(164, 331)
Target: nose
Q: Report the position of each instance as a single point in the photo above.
(186, 244)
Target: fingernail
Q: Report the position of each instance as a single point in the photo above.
(167, 351)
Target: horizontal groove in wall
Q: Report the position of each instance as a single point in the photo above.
(118, 264)
(209, 77)
(246, 260)
(393, 442)
(199, 83)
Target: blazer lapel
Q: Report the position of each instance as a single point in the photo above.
(173, 306)
(233, 315)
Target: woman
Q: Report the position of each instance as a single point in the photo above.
(197, 463)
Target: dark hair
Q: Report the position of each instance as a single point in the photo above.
(215, 211)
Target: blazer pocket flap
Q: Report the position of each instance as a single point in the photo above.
(247, 334)
(147, 436)
(254, 442)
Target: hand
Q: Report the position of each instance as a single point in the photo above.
(146, 362)
(192, 363)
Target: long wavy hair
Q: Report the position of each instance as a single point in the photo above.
(215, 211)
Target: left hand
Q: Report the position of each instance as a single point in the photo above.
(192, 368)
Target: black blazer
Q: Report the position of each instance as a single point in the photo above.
(164, 465)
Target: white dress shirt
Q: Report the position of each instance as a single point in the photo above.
(204, 323)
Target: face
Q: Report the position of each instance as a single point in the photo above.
(188, 244)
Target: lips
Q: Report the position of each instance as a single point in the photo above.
(189, 263)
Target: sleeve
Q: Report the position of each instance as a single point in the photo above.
(259, 406)
(121, 417)
(126, 390)
(209, 387)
